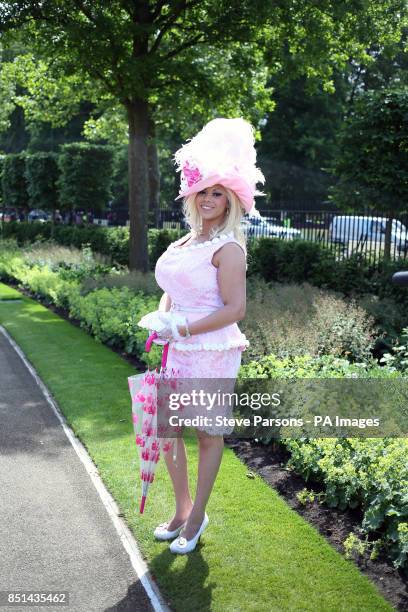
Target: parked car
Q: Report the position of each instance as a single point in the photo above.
(347, 228)
(258, 226)
(10, 214)
(38, 215)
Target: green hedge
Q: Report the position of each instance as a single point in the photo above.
(41, 173)
(2, 160)
(78, 177)
(86, 173)
(270, 258)
(110, 315)
(110, 241)
(14, 182)
(299, 261)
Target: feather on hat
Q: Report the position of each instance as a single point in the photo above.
(222, 153)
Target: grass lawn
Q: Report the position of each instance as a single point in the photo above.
(8, 293)
(256, 554)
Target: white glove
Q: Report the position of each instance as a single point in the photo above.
(164, 323)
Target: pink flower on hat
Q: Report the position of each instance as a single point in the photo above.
(192, 174)
(225, 152)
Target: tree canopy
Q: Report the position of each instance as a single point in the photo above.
(184, 61)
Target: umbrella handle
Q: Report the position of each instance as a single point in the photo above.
(164, 355)
(148, 346)
(142, 504)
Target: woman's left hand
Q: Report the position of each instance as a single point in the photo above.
(175, 328)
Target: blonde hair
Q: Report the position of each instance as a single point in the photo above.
(231, 223)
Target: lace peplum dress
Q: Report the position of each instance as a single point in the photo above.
(189, 278)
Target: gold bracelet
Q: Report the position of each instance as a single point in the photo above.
(188, 335)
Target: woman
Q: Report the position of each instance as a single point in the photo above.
(203, 279)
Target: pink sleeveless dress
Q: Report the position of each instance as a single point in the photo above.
(189, 278)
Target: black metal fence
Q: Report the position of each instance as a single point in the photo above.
(343, 233)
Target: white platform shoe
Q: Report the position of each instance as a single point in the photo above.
(182, 546)
(162, 533)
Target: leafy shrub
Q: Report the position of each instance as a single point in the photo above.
(270, 259)
(159, 240)
(136, 281)
(46, 285)
(85, 176)
(14, 183)
(367, 473)
(371, 474)
(114, 242)
(25, 233)
(110, 241)
(309, 366)
(298, 319)
(41, 173)
(111, 316)
(288, 261)
(299, 261)
(10, 259)
(390, 317)
(281, 319)
(398, 357)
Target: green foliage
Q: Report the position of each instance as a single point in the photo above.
(85, 176)
(373, 153)
(299, 140)
(297, 319)
(14, 184)
(109, 314)
(237, 40)
(369, 473)
(305, 497)
(398, 357)
(138, 282)
(41, 173)
(115, 243)
(2, 158)
(159, 240)
(390, 317)
(309, 366)
(269, 259)
(112, 242)
(25, 232)
(303, 261)
(354, 547)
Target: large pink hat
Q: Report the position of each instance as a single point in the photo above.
(223, 153)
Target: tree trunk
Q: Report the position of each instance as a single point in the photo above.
(387, 239)
(137, 111)
(154, 175)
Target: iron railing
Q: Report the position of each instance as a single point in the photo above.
(345, 234)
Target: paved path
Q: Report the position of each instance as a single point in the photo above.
(55, 532)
